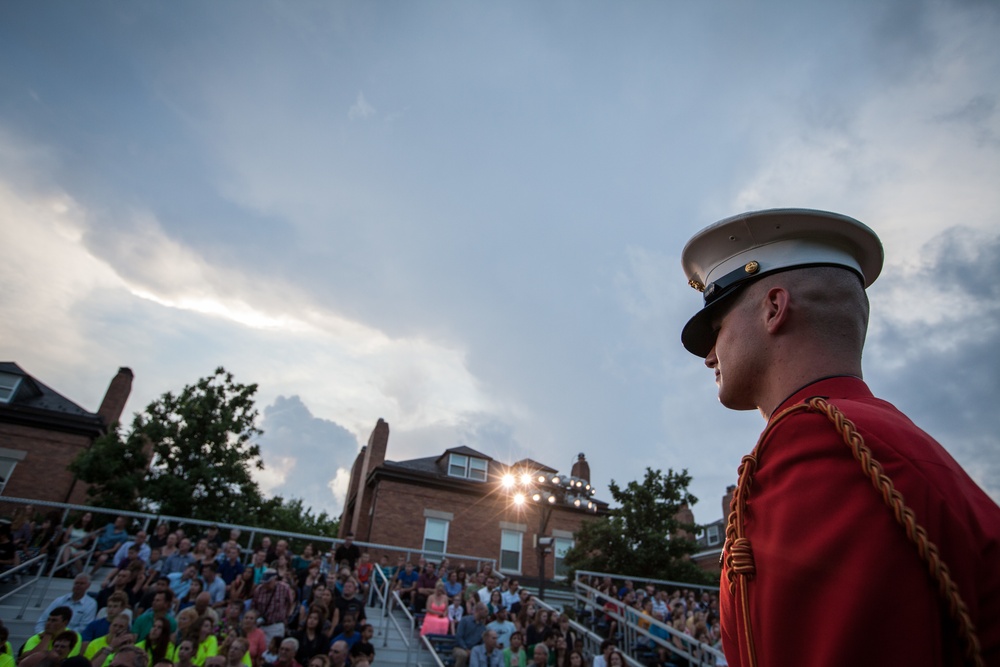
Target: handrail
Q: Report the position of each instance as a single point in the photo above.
(646, 580)
(430, 647)
(38, 560)
(697, 653)
(592, 641)
(149, 518)
(59, 565)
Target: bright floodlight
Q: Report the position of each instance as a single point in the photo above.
(525, 478)
(576, 502)
(541, 479)
(555, 479)
(507, 481)
(536, 497)
(518, 499)
(552, 499)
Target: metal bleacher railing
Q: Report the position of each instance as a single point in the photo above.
(34, 576)
(638, 636)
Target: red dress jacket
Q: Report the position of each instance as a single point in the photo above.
(837, 582)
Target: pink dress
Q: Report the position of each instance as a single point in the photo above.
(433, 624)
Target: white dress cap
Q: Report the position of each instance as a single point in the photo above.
(723, 257)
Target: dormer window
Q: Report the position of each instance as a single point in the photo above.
(8, 385)
(467, 467)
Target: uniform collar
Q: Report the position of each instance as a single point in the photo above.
(837, 386)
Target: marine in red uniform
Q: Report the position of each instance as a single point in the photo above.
(858, 542)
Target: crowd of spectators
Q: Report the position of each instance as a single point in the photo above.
(690, 613)
(180, 599)
(493, 620)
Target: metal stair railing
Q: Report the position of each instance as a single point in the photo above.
(635, 637)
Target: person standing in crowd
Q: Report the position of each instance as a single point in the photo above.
(851, 502)
(348, 551)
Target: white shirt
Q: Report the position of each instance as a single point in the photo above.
(84, 611)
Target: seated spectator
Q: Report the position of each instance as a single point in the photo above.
(274, 600)
(364, 646)
(195, 588)
(302, 562)
(161, 584)
(141, 550)
(242, 587)
(56, 623)
(231, 566)
(230, 624)
(363, 573)
(348, 631)
(202, 634)
(338, 654)
(469, 634)
(179, 560)
(436, 613)
(451, 585)
(180, 583)
(515, 655)
(455, 613)
(236, 652)
(64, 643)
(9, 557)
(22, 526)
(157, 644)
(286, 654)
(357, 657)
(321, 660)
(540, 656)
(406, 584)
(511, 594)
(47, 539)
(160, 607)
(6, 651)
(214, 585)
(503, 626)
(109, 540)
(184, 654)
(487, 653)
(426, 582)
(254, 636)
(348, 604)
(82, 606)
(117, 603)
(271, 654)
(311, 638)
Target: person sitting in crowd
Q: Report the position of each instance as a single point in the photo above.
(514, 655)
(82, 606)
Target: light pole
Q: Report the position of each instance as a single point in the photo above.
(546, 490)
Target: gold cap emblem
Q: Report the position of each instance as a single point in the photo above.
(697, 285)
(752, 267)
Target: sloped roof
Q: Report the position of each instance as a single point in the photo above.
(36, 402)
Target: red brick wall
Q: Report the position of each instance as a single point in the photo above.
(475, 528)
(43, 474)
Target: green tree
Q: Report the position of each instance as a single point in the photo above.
(115, 468)
(188, 455)
(642, 536)
(290, 516)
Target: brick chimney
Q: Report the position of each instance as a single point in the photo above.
(115, 398)
(727, 500)
(581, 469)
(371, 457)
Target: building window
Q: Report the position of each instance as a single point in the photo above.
(8, 385)
(435, 535)
(559, 548)
(510, 551)
(713, 534)
(6, 470)
(468, 467)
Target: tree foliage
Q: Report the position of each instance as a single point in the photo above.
(292, 517)
(192, 455)
(642, 536)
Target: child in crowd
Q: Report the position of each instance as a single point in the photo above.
(455, 613)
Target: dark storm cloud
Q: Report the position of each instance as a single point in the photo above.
(314, 449)
(945, 373)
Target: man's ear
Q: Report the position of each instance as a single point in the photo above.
(777, 306)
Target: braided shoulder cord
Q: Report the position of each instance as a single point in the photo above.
(738, 554)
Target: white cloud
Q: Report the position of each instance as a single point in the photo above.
(360, 108)
(339, 485)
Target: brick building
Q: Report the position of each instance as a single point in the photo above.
(41, 432)
(454, 502)
(712, 535)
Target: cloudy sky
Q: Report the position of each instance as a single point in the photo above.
(466, 217)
